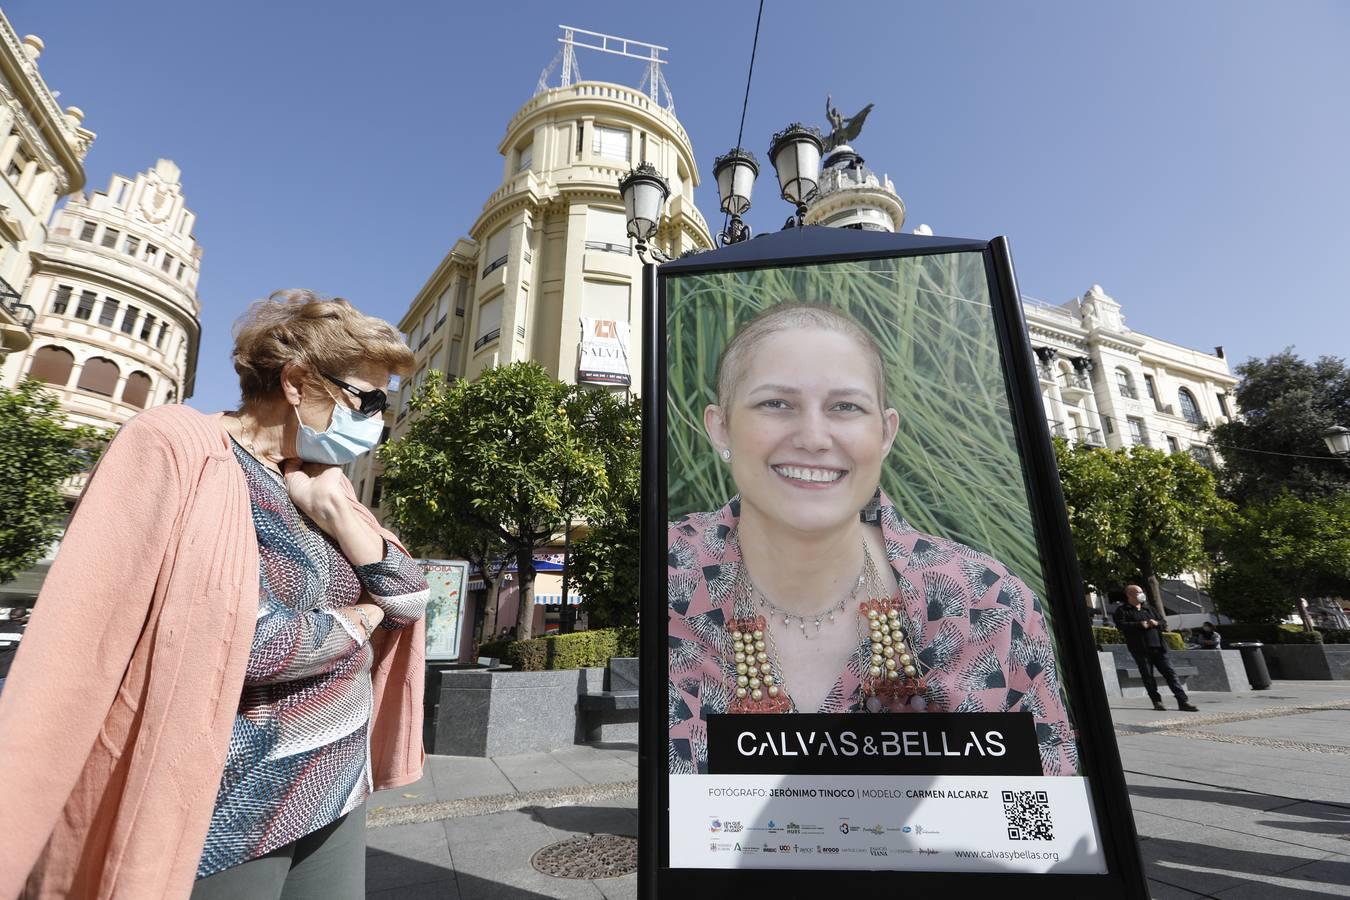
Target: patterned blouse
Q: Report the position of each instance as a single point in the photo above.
(299, 755)
(976, 629)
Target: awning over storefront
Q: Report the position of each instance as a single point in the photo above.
(548, 591)
(551, 562)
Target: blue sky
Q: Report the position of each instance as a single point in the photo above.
(1189, 157)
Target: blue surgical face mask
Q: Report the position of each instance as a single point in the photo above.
(349, 435)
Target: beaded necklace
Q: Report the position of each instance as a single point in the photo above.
(891, 674)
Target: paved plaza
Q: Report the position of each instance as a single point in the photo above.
(1249, 798)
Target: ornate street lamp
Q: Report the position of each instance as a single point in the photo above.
(735, 171)
(644, 197)
(795, 154)
(1338, 441)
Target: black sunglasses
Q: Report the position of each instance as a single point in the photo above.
(373, 402)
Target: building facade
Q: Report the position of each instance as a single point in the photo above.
(547, 271)
(115, 292)
(1105, 385)
(42, 150)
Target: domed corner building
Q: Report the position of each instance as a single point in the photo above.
(114, 288)
(548, 257)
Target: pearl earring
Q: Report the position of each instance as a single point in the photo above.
(726, 454)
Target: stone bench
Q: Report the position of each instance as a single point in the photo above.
(612, 713)
(1131, 685)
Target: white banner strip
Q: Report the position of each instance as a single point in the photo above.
(981, 823)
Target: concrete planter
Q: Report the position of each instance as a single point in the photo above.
(491, 712)
(1308, 662)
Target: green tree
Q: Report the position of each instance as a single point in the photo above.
(1278, 550)
(1276, 446)
(1138, 513)
(38, 451)
(604, 566)
(509, 458)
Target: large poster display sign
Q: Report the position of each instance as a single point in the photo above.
(875, 654)
(446, 580)
(604, 352)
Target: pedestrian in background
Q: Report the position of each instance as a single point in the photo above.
(227, 655)
(1207, 638)
(1143, 635)
(11, 632)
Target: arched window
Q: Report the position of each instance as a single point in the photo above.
(137, 390)
(52, 365)
(1125, 382)
(99, 376)
(1189, 411)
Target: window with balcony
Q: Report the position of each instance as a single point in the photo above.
(87, 231)
(607, 230)
(148, 326)
(1138, 432)
(1125, 384)
(612, 143)
(109, 313)
(85, 308)
(489, 322)
(52, 365)
(61, 299)
(1189, 411)
(110, 237)
(495, 255)
(129, 319)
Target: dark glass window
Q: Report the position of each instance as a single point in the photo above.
(129, 320)
(1189, 411)
(148, 326)
(110, 236)
(86, 305)
(61, 300)
(132, 245)
(109, 313)
(87, 231)
(137, 390)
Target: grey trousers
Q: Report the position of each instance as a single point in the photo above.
(328, 864)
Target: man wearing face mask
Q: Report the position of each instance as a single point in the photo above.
(227, 654)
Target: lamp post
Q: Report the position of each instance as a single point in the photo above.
(735, 172)
(1338, 441)
(644, 198)
(795, 153)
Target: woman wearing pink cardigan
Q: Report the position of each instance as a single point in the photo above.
(226, 657)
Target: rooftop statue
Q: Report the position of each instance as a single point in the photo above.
(843, 130)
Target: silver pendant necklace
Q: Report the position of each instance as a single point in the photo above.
(819, 619)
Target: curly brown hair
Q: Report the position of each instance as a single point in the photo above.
(319, 333)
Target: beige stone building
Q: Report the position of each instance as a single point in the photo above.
(42, 150)
(115, 291)
(550, 247)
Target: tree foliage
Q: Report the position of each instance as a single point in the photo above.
(1137, 513)
(1276, 550)
(38, 451)
(499, 465)
(1285, 404)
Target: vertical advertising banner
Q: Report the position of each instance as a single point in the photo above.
(446, 580)
(864, 666)
(604, 352)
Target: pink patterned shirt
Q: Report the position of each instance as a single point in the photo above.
(976, 629)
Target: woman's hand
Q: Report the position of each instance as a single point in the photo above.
(319, 491)
(316, 490)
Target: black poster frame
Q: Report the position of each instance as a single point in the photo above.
(1099, 755)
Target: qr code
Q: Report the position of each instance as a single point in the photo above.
(1028, 815)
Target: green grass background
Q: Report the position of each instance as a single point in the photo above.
(954, 470)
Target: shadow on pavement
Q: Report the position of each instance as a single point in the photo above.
(401, 878)
(614, 745)
(1210, 869)
(587, 819)
(1241, 799)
